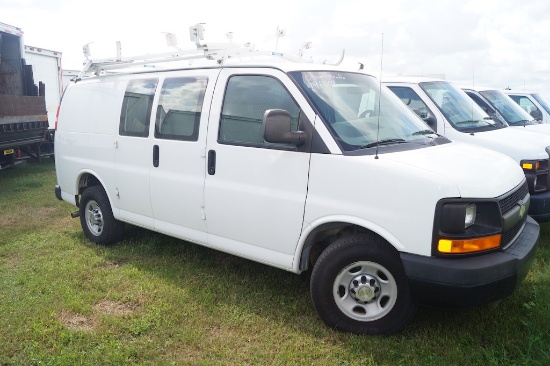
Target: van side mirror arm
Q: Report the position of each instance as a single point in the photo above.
(277, 128)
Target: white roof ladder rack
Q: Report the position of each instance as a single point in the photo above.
(214, 51)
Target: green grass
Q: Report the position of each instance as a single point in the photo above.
(155, 300)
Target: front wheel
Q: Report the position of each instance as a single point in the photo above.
(358, 285)
(96, 217)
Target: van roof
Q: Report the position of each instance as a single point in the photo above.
(479, 88)
(410, 79)
(517, 91)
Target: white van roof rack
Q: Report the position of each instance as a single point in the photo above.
(214, 51)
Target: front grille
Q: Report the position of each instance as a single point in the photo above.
(512, 199)
(506, 204)
(509, 235)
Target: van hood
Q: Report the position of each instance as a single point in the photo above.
(477, 172)
(538, 128)
(517, 143)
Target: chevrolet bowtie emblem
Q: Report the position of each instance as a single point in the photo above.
(521, 210)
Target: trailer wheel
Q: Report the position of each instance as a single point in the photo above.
(96, 217)
(358, 285)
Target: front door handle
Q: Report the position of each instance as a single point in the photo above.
(211, 162)
(156, 156)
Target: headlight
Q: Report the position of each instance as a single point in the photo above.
(457, 217)
(470, 217)
(466, 226)
(536, 172)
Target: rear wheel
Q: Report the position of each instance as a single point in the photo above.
(358, 285)
(96, 217)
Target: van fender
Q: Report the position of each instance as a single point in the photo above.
(82, 181)
(309, 230)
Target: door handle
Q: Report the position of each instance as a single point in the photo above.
(211, 162)
(156, 156)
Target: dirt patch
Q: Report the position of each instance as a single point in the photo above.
(8, 221)
(118, 263)
(75, 321)
(113, 308)
(79, 322)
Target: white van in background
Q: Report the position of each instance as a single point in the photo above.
(532, 102)
(301, 167)
(503, 109)
(449, 111)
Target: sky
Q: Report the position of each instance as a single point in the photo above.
(492, 43)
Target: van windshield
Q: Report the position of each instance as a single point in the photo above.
(542, 102)
(359, 116)
(458, 108)
(510, 110)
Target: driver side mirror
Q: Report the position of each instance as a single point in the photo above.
(431, 121)
(536, 114)
(277, 128)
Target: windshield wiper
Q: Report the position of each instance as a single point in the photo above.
(383, 142)
(423, 132)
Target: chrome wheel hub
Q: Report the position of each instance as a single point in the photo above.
(364, 288)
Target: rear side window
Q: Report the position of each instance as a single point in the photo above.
(179, 109)
(247, 98)
(136, 107)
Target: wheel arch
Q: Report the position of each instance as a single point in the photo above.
(317, 237)
(88, 178)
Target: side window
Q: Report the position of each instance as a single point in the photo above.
(412, 100)
(179, 109)
(246, 99)
(136, 107)
(524, 103)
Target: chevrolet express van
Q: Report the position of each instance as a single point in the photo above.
(302, 167)
(502, 108)
(450, 112)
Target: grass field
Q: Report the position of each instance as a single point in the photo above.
(155, 300)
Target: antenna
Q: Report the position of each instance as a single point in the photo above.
(379, 97)
(473, 88)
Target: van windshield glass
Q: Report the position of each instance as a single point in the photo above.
(542, 102)
(458, 108)
(510, 110)
(350, 105)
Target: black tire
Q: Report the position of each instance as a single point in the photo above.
(96, 217)
(358, 285)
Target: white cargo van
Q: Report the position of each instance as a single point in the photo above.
(449, 111)
(534, 103)
(301, 167)
(503, 109)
